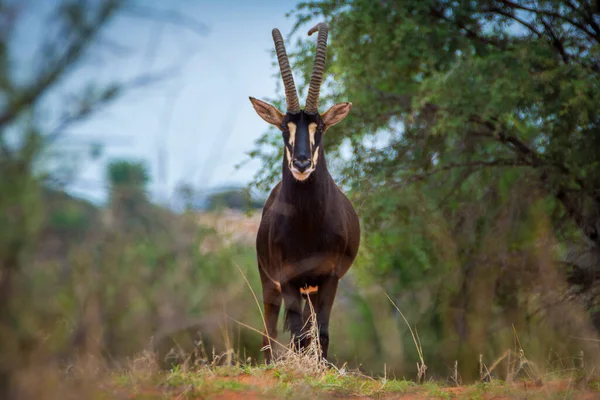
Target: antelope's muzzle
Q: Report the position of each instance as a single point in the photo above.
(301, 163)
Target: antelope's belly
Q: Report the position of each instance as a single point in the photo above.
(308, 271)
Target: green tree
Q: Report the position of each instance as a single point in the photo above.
(474, 142)
(71, 32)
(130, 208)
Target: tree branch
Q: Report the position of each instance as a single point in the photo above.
(514, 18)
(72, 54)
(517, 145)
(587, 16)
(556, 42)
(552, 14)
(111, 94)
(561, 192)
(505, 162)
(471, 34)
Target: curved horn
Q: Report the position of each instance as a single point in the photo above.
(312, 100)
(291, 96)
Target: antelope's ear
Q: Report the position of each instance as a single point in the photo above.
(267, 112)
(335, 114)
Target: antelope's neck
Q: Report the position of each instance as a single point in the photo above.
(309, 197)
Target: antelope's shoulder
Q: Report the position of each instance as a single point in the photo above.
(272, 198)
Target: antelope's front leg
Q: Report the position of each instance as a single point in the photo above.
(272, 304)
(293, 313)
(325, 300)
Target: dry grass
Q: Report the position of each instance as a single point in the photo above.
(421, 366)
(280, 381)
(304, 374)
(306, 361)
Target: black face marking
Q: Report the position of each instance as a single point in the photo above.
(302, 136)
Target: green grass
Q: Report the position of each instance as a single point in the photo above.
(268, 382)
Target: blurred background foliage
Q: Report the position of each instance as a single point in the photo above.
(80, 281)
(471, 155)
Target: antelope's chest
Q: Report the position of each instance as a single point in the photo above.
(299, 240)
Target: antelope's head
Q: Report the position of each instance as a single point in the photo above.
(302, 129)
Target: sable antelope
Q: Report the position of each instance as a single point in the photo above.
(309, 232)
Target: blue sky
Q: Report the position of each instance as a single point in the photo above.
(199, 122)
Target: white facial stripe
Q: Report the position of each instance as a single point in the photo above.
(312, 128)
(289, 155)
(292, 128)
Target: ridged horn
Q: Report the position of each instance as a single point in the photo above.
(291, 96)
(312, 100)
